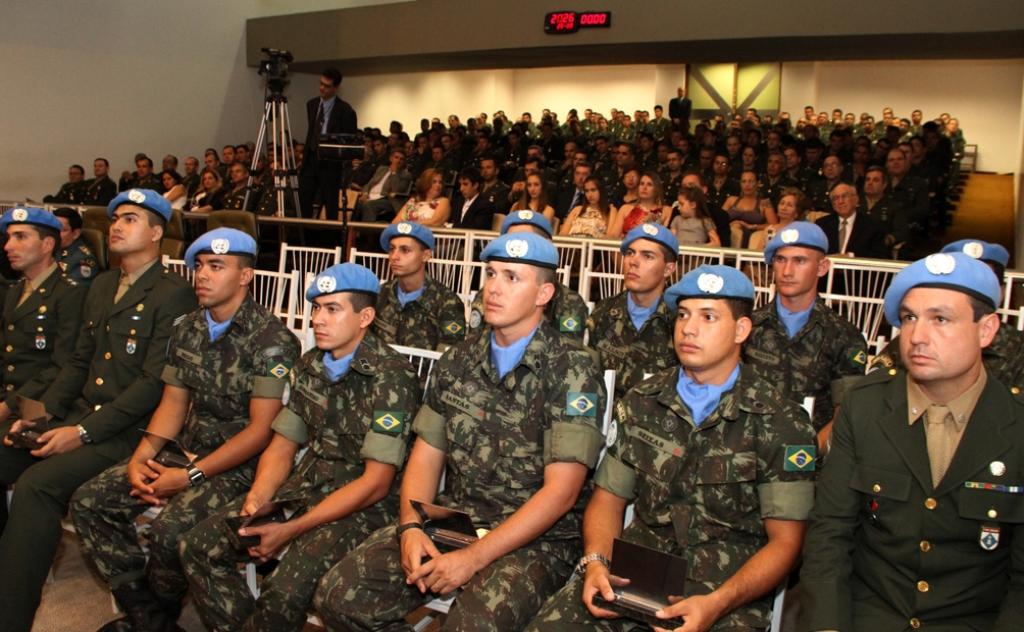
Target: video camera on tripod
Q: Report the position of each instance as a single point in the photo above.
(275, 68)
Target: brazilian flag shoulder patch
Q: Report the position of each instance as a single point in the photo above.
(800, 458)
(569, 324)
(859, 357)
(278, 368)
(453, 328)
(578, 404)
(388, 422)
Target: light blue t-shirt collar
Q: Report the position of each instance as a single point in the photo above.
(702, 399)
(793, 321)
(216, 329)
(336, 369)
(637, 313)
(404, 298)
(506, 358)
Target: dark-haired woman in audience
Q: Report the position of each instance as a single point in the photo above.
(631, 185)
(535, 198)
(174, 189)
(210, 195)
(748, 157)
(693, 225)
(748, 211)
(427, 206)
(793, 204)
(593, 217)
(649, 208)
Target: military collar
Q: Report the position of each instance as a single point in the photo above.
(961, 407)
(243, 318)
(133, 277)
(746, 395)
(364, 361)
(769, 315)
(620, 309)
(426, 300)
(544, 339)
(38, 282)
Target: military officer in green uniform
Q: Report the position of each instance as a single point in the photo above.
(76, 260)
(41, 316)
(227, 371)
(513, 421)
(918, 521)
(799, 344)
(108, 387)
(413, 309)
(566, 310)
(632, 331)
(351, 403)
(719, 466)
(72, 191)
(99, 190)
(234, 199)
(1003, 358)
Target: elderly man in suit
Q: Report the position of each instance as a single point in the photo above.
(327, 114)
(382, 196)
(850, 233)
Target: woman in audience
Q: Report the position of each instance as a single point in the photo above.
(593, 217)
(792, 206)
(694, 226)
(630, 183)
(749, 158)
(649, 207)
(748, 211)
(535, 198)
(174, 189)
(210, 195)
(427, 206)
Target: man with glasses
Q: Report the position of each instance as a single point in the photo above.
(327, 114)
(850, 233)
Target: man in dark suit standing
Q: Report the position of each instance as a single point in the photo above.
(471, 210)
(679, 110)
(326, 115)
(850, 233)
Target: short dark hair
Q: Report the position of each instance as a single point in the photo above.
(333, 75)
(46, 231)
(980, 308)
(546, 275)
(146, 160)
(105, 161)
(74, 217)
(79, 167)
(739, 308)
(472, 174)
(361, 300)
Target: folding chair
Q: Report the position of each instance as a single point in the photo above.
(178, 267)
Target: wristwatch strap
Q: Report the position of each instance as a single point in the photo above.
(196, 477)
(581, 567)
(83, 434)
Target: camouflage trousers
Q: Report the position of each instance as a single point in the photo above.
(367, 590)
(104, 516)
(221, 594)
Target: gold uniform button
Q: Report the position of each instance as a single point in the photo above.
(892, 371)
(925, 546)
(1015, 390)
(922, 586)
(10, 327)
(108, 327)
(10, 367)
(10, 348)
(992, 513)
(99, 381)
(106, 356)
(930, 503)
(10, 387)
(97, 407)
(132, 332)
(876, 488)
(915, 623)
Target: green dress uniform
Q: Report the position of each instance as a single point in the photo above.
(69, 193)
(38, 336)
(109, 386)
(631, 353)
(821, 361)
(251, 359)
(366, 414)
(234, 199)
(701, 492)
(78, 262)
(99, 191)
(435, 320)
(1004, 358)
(566, 311)
(498, 434)
(887, 550)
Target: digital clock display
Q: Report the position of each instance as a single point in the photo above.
(559, 22)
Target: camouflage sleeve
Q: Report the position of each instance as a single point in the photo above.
(786, 458)
(575, 407)
(613, 473)
(273, 366)
(396, 396)
(451, 322)
(430, 423)
(572, 315)
(850, 363)
(476, 314)
(169, 375)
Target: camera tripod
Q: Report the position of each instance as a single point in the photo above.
(277, 122)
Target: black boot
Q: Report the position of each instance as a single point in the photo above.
(143, 611)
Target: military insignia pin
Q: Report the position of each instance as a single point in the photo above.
(131, 346)
(40, 342)
(989, 538)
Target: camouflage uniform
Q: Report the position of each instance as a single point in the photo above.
(824, 358)
(631, 353)
(362, 416)
(251, 359)
(566, 312)
(498, 436)
(701, 493)
(78, 262)
(436, 320)
(1003, 358)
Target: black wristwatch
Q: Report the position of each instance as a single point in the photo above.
(402, 528)
(195, 475)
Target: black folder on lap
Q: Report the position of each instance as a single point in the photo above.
(652, 575)
(449, 529)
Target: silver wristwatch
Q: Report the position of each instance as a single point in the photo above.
(195, 476)
(83, 435)
(581, 566)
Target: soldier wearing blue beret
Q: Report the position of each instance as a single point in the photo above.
(102, 394)
(566, 310)
(632, 331)
(1003, 358)
(719, 468)
(800, 344)
(414, 309)
(351, 403)
(227, 372)
(917, 521)
(513, 421)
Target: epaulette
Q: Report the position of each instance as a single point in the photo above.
(880, 376)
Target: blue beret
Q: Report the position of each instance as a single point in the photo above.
(30, 215)
(655, 232)
(803, 234)
(419, 232)
(952, 271)
(526, 248)
(343, 277)
(146, 198)
(977, 249)
(709, 281)
(532, 218)
(220, 241)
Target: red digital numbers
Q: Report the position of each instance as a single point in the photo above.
(571, 21)
(593, 19)
(562, 22)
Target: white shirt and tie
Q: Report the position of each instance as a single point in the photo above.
(465, 207)
(376, 191)
(845, 230)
